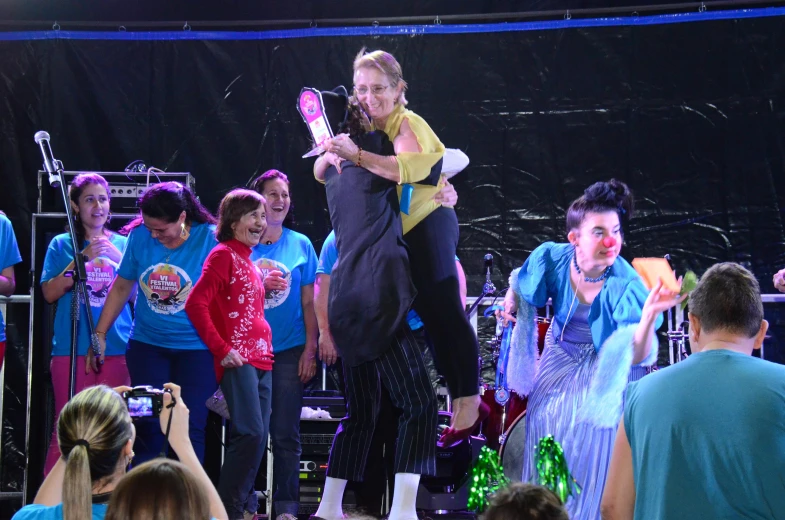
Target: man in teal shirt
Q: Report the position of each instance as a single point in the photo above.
(705, 438)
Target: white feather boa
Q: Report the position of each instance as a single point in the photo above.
(524, 356)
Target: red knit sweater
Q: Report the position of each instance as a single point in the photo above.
(226, 307)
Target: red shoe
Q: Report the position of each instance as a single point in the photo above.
(450, 437)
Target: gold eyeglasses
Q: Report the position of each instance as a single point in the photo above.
(375, 90)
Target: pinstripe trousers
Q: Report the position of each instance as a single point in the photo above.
(402, 372)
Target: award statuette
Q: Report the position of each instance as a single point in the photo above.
(311, 107)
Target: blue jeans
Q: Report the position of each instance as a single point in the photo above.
(192, 370)
(285, 431)
(248, 396)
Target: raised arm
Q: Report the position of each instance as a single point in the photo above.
(416, 146)
(181, 444)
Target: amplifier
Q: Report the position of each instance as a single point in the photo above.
(336, 406)
(124, 188)
(313, 466)
(316, 438)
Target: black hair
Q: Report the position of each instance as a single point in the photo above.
(166, 201)
(601, 197)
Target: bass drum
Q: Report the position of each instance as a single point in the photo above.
(511, 451)
(503, 418)
(500, 416)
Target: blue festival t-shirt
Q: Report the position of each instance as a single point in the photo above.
(293, 255)
(100, 275)
(165, 278)
(328, 256)
(39, 512)
(327, 259)
(9, 255)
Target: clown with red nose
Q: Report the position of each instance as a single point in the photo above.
(601, 337)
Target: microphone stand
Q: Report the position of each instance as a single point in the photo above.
(487, 289)
(79, 274)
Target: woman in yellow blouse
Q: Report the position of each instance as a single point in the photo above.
(431, 230)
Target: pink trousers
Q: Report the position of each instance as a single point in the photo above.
(114, 372)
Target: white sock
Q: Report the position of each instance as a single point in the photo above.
(404, 506)
(330, 508)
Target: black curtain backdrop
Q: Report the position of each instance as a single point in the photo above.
(68, 11)
(689, 115)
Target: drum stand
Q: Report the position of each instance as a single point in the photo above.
(677, 336)
(495, 348)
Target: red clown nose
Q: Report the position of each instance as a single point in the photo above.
(608, 242)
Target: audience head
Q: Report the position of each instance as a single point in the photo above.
(595, 220)
(726, 306)
(241, 215)
(522, 501)
(160, 489)
(96, 438)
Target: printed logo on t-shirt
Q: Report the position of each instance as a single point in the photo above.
(166, 288)
(100, 273)
(273, 299)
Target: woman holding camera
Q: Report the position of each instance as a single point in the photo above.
(227, 309)
(166, 249)
(96, 438)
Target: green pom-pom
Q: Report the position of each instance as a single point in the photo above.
(487, 476)
(688, 283)
(552, 471)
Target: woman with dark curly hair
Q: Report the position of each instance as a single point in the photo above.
(602, 335)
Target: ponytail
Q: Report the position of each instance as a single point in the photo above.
(92, 430)
(77, 485)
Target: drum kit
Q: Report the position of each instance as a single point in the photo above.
(505, 427)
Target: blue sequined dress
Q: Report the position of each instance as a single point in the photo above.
(565, 373)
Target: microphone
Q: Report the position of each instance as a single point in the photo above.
(488, 288)
(51, 165)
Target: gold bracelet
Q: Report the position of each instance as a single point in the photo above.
(100, 332)
(359, 157)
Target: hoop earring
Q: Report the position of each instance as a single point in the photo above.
(184, 233)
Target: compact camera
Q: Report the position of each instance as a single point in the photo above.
(144, 401)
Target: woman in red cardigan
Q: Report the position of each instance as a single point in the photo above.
(226, 306)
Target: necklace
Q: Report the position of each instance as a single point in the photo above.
(270, 241)
(600, 278)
